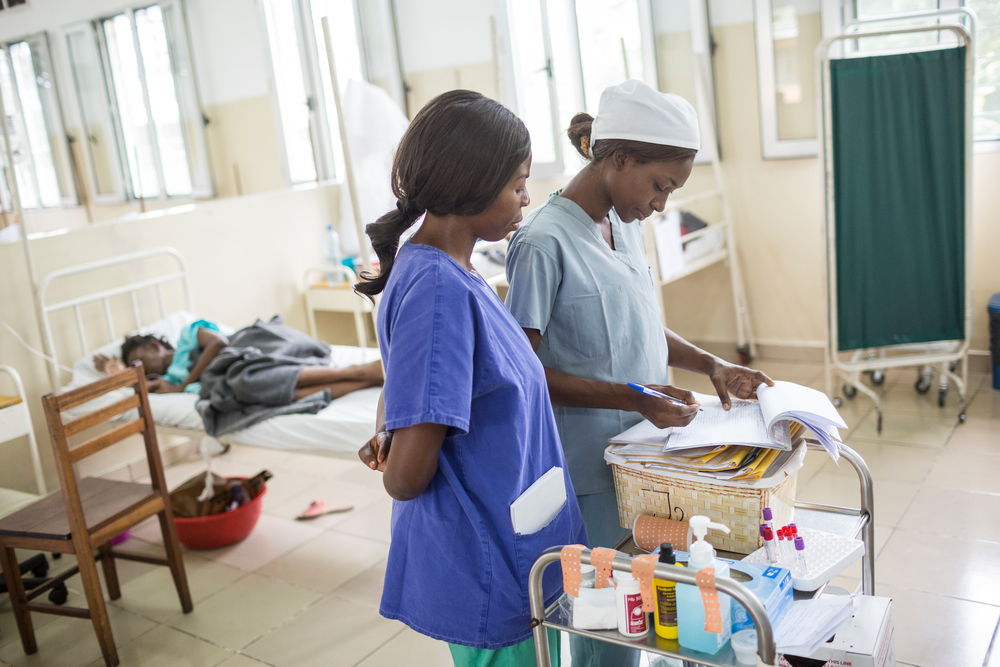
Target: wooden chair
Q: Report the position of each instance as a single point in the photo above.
(89, 512)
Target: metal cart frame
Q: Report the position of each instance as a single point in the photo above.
(939, 353)
(542, 617)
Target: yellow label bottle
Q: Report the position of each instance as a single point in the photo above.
(665, 611)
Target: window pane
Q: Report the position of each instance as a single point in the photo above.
(379, 40)
(289, 81)
(98, 127)
(163, 101)
(674, 49)
(987, 101)
(796, 30)
(873, 8)
(128, 92)
(18, 137)
(610, 45)
(347, 56)
(531, 72)
(39, 141)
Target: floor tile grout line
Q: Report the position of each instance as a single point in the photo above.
(994, 645)
(994, 605)
(381, 646)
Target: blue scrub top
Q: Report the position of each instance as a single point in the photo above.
(599, 317)
(454, 355)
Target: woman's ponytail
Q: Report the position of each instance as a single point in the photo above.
(384, 234)
(457, 156)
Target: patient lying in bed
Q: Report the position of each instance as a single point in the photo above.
(261, 371)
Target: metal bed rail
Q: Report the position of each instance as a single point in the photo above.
(177, 274)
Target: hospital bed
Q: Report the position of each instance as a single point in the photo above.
(73, 300)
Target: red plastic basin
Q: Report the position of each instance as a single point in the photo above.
(219, 530)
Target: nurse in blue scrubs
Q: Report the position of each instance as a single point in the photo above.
(465, 395)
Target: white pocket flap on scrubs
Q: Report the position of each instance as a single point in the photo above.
(540, 503)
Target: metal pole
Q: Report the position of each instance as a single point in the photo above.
(15, 196)
(348, 164)
(867, 508)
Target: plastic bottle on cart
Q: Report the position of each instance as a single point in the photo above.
(665, 612)
(690, 608)
(633, 622)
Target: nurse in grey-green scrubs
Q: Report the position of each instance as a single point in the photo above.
(581, 289)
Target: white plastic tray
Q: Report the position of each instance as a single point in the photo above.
(826, 555)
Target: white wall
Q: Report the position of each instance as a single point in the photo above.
(441, 34)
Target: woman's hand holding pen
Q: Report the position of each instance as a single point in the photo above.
(375, 452)
(662, 412)
(739, 381)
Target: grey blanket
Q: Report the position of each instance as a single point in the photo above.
(254, 377)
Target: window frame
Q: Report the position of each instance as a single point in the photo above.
(61, 163)
(186, 94)
(771, 146)
(326, 142)
(835, 18)
(89, 32)
(565, 163)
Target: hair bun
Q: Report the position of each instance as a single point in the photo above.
(579, 133)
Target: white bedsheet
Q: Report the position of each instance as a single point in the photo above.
(342, 426)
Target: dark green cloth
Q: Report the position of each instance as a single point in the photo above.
(898, 159)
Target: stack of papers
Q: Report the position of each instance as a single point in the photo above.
(809, 623)
(771, 422)
(725, 462)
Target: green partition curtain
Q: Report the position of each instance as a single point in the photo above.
(898, 144)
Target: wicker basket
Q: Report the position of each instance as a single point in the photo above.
(680, 498)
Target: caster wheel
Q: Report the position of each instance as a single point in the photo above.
(961, 417)
(837, 401)
(878, 378)
(745, 356)
(922, 385)
(40, 571)
(56, 556)
(942, 397)
(850, 391)
(59, 594)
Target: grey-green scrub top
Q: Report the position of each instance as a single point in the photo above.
(597, 311)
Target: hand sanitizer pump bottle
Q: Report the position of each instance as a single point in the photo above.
(690, 607)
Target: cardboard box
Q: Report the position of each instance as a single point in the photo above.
(866, 640)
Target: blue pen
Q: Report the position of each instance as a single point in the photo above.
(657, 394)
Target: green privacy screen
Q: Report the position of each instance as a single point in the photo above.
(898, 159)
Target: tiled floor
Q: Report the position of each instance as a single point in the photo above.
(301, 594)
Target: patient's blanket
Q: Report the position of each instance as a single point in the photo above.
(254, 377)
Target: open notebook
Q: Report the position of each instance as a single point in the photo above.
(760, 423)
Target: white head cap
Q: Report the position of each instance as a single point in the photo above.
(634, 111)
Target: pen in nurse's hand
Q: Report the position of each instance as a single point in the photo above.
(642, 389)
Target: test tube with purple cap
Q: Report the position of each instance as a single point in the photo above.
(800, 555)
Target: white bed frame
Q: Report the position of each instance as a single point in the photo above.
(176, 272)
